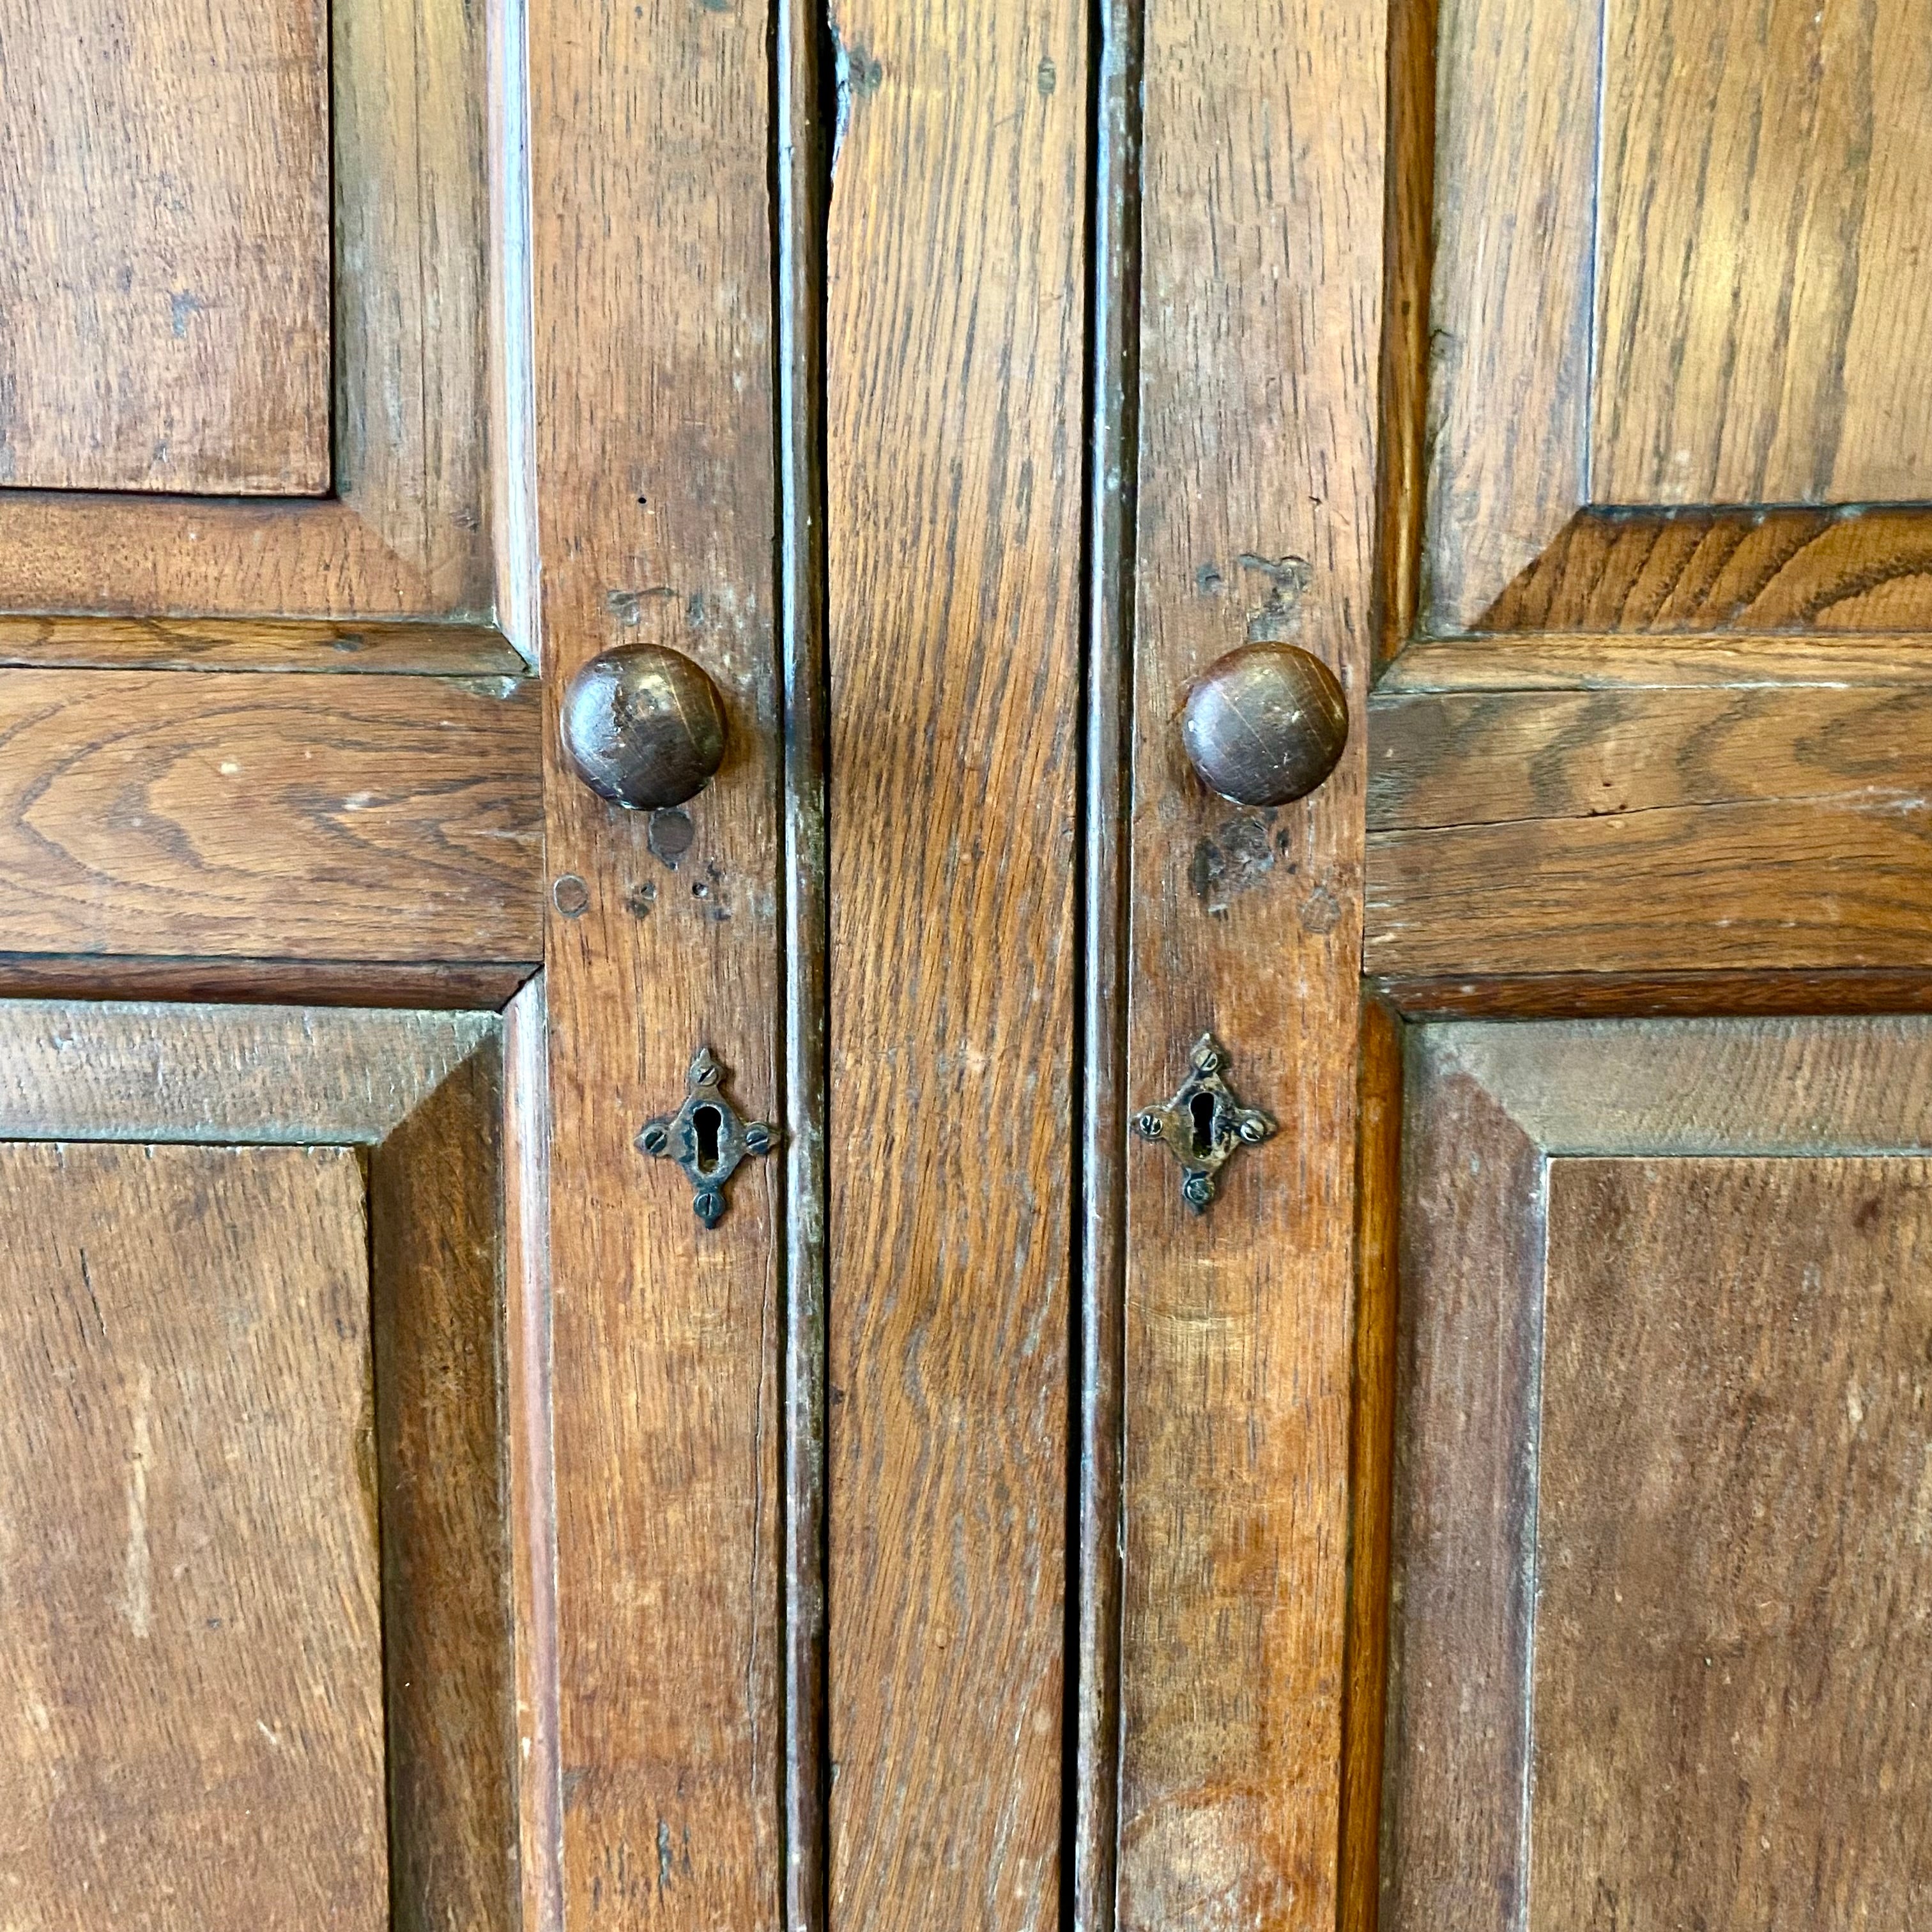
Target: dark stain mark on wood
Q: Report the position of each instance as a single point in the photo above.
(1237, 858)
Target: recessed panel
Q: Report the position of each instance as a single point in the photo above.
(164, 291)
(1764, 280)
(190, 1652)
(1733, 1642)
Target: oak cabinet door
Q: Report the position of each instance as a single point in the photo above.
(1644, 1306)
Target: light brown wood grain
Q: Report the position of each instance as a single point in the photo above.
(1715, 1468)
(1379, 1204)
(1764, 299)
(1481, 759)
(425, 506)
(1768, 885)
(1765, 571)
(438, 1262)
(1260, 329)
(1508, 420)
(654, 455)
(1741, 661)
(189, 1595)
(216, 643)
(164, 181)
(243, 815)
(955, 349)
(1732, 1577)
(1561, 996)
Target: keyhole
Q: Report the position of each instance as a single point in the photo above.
(707, 1120)
(1201, 1109)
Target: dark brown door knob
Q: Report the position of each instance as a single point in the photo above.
(643, 726)
(1265, 725)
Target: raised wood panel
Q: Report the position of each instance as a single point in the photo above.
(1638, 831)
(1697, 571)
(1262, 221)
(953, 519)
(1734, 1545)
(164, 182)
(1506, 416)
(426, 516)
(189, 1610)
(1742, 327)
(654, 443)
(442, 1279)
(1659, 1442)
(1764, 294)
(368, 818)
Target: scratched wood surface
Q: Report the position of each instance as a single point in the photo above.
(164, 181)
(1731, 1615)
(194, 1661)
(438, 1260)
(1635, 830)
(656, 496)
(246, 815)
(1764, 298)
(955, 432)
(1706, 1495)
(1514, 130)
(419, 242)
(1262, 157)
(1831, 571)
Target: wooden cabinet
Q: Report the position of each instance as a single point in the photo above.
(1482, 1481)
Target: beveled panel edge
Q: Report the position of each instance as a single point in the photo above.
(1757, 1086)
(118, 1070)
(1597, 661)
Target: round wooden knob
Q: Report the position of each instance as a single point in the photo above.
(643, 726)
(1265, 725)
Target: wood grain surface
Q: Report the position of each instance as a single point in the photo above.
(1701, 570)
(1764, 301)
(955, 349)
(1262, 274)
(438, 1263)
(1733, 1209)
(165, 185)
(1744, 660)
(194, 1665)
(245, 815)
(216, 643)
(87, 1069)
(1733, 1590)
(428, 328)
(1514, 125)
(656, 494)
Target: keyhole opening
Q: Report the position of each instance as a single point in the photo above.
(1201, 1110)
(707, 1121)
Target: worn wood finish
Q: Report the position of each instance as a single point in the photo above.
(1495, 1494)
(1764, 310)
(1371, 1455)
(438, 1263)
(322, 983)
(1657, 995)
(1701, 570)
(246, 816)
(1741, 662)
(1099, 1341)
(215, 643)
(805, 133)
(189, 1602)
(165, 180)
(654, 454)
(1475, 759)
(1263, 148)
(423, 515)
(953, 517)
(1830, 884)
(1514, 125)
(529, 1397)
(1731, 1626)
